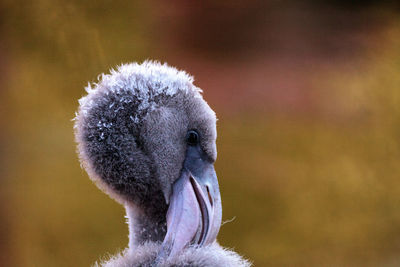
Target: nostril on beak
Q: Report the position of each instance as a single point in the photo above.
(209, 196)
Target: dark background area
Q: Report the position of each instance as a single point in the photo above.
(308, 99)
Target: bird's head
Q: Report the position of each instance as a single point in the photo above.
(146, 137)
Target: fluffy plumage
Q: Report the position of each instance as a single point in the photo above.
(143, 256)
(130, 129)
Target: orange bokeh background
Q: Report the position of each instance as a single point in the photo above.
(308, 99)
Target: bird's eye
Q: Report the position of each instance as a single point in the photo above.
(192, 138)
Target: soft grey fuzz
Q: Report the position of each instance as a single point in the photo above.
(213, 255)
(130, 129)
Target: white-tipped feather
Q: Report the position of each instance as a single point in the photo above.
(146, 81)
(213, 255)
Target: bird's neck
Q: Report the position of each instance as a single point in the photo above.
(144, 227)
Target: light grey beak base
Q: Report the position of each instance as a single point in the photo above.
(195, 212)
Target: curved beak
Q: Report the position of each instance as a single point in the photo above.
(195, 212)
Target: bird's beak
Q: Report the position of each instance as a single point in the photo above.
(195, 212)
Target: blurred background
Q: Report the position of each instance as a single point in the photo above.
(308, 99)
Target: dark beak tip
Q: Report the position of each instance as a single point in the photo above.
(194, 214)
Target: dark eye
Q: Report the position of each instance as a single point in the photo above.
(192, 138)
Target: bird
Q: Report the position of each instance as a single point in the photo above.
(147, 138)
